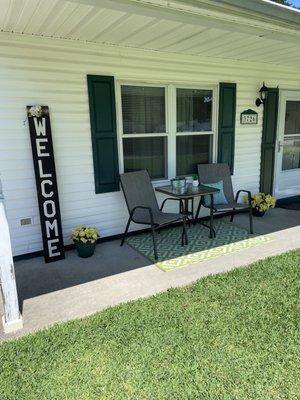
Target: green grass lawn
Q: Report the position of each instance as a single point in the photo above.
(230, 336)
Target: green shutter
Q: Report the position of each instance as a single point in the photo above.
(226, 133)
(268, 144)
(104, 133)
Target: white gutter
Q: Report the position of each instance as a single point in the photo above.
(266, 7)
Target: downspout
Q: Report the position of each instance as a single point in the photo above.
(12, 319)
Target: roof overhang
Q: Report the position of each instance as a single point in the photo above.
(256, 30)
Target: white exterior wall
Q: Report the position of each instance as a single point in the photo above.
(53, 72)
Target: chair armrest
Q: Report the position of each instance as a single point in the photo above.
(174, 199)
(244, 191)
(143, 208)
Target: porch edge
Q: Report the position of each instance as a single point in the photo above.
(12, 326)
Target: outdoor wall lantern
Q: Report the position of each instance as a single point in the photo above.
(263, 93)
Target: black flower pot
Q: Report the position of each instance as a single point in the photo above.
(258, 213)
(85, 250)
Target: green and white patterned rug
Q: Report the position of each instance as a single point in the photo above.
(171, 254)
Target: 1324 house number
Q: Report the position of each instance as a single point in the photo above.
(249, 117)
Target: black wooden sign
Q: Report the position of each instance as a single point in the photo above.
(46, 184)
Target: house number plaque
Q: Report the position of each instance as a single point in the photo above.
(249, 117)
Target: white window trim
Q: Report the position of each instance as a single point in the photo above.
(171, 123)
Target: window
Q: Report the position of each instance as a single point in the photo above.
(292, 118)
(291, 148)
(194, 116)
(190, 151)
(145, 153)
(154, 125)
(194, 110)
(291, 154)
(144, 129)
(143, 109)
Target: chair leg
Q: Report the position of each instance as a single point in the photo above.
(125, 233)
(232, 215)
(185, 232)
(251, 220)
(186, 211)
(212, 233)
(197, 212)
(193, 211)
(154, 242)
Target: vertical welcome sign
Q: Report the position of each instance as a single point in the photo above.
(46, 183)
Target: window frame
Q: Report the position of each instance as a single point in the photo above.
(171, 122)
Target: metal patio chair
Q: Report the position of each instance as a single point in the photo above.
(212, 173)
(143, 206)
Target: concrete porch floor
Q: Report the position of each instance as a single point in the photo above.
(75, 287)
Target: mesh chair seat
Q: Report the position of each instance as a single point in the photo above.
(159, 217)
(230, 206)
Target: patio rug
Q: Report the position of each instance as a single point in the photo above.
(171, 254)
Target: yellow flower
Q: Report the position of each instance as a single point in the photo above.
(263, 201)
(85, 234)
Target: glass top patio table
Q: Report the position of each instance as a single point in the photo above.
(189, 192)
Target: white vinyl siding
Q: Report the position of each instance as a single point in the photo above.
(53, 72)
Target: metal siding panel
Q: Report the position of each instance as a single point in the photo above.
(74, 19)
(126, 27)
(107, 21)
(5, 7)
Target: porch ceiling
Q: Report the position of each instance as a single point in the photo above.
(204, 27)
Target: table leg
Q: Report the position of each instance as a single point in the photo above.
(186, 206)
(184, 237)
(212, 232)
(186, 210)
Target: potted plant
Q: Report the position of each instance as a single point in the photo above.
(85, 240)
(195, 180)
(261, 203)
(178, 183)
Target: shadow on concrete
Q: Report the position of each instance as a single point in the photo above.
(34, 277)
